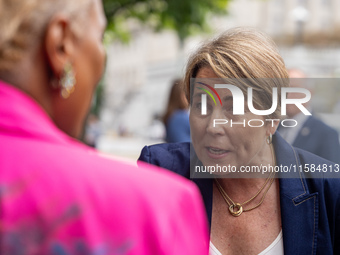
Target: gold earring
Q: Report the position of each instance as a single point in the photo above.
(270, 138)
(67, 81)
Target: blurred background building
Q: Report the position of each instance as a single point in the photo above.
(139, 73)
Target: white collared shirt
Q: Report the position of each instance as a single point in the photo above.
(275, 248)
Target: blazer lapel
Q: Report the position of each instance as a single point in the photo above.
(205, 185)
(206, 188)
(299, 208)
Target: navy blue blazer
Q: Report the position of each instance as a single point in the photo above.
(318, 138)
(310, 208)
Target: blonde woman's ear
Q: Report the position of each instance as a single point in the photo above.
(272, 127)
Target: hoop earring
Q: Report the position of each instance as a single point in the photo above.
(67, 81)
(270, 139)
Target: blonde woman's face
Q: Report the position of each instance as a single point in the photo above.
(225, 144)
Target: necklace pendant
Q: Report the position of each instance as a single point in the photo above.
(238, 207)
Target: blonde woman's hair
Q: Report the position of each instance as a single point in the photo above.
(245, 56)
(23, 23)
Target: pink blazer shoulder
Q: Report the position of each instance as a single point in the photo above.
(60, 197)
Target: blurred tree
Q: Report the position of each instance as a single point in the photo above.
(184, 16)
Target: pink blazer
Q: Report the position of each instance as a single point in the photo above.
(61, 197)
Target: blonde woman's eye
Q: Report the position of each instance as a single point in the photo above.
(198, 105)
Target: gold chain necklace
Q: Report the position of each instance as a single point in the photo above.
(239, 206)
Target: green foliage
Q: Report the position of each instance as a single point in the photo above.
(97, 99)
(184, 16)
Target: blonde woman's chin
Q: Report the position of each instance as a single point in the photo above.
(236, 174)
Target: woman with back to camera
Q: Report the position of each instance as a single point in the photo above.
(250, 215)
(59, 196)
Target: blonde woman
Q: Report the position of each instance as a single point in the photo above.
(247, 214)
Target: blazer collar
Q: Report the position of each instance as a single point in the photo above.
(21, 115)
(287, 156)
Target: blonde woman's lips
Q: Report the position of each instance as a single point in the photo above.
(216, 153)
